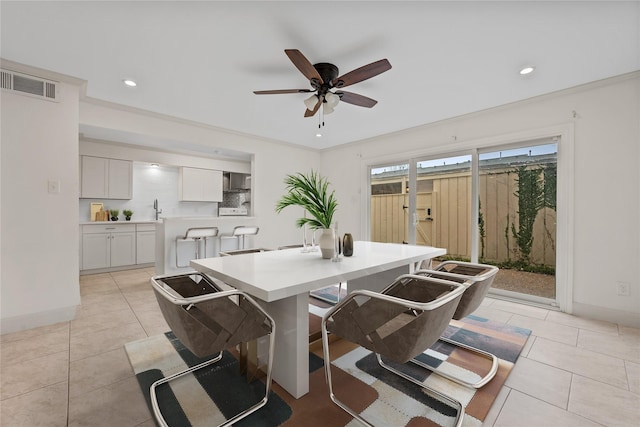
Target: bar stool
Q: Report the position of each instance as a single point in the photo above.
(244, 230)
(196, 235)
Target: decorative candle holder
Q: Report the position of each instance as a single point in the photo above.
(347, 245)
(337, 243)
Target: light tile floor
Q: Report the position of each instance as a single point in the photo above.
(572, 372)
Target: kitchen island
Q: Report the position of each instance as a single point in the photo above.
(171, 228)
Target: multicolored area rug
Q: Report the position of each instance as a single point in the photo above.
(218, 392)
(328, 294)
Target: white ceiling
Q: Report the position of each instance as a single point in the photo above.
(202, 61)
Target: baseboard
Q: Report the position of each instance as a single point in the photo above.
(35, 320)
(625, 318)
(112, 269)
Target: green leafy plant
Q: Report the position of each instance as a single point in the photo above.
(127, 212)
(114, 212)
(481, 229)
(530, 200)
(310, 192)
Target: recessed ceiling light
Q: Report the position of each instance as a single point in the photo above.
(527, 70)
(155, 165)
(129, 83)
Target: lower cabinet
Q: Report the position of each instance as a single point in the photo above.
(145, 243)
(105, 246)
(123, 249)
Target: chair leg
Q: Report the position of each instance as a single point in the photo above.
(327, 370)
(484, 380)
(154, 400)
(430, 391)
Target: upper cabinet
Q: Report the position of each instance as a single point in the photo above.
(106, 178)
(200, 185)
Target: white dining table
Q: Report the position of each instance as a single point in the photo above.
(281, 280)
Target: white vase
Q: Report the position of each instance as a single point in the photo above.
(327, 243)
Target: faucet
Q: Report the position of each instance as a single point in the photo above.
(155, 206)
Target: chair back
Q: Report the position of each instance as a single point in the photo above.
(200, 233)
(476, 277)
(211, 323)
(402, 321)
(245, 230)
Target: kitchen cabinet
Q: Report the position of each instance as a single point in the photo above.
(145, 243)
(200, 185)
(105, 246)
(103, 178)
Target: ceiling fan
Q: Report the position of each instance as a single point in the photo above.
(323, 77)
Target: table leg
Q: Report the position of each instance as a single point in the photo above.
(291, 359)
(248, 360)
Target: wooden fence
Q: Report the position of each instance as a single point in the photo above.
(444, 215)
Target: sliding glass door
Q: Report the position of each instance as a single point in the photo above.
(389, 205)
(433, 209)
(443, 204)
(517, 217)
(496, 206)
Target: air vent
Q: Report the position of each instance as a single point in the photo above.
(29, 85)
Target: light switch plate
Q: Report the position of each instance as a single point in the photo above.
(54, 186)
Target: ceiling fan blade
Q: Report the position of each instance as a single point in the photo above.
(303, 64)
(355, 99)
(311, 113)
(363, 73)
(278, 91)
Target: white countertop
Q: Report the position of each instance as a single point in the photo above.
(208, 218)
(278, 274)
(119, 222)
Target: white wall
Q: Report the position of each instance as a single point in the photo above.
(272, 160)
(39, 248)
(606, 179)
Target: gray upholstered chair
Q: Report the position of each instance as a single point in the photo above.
(399, 323)
(248, 349)
(477, 280)
(207, 321)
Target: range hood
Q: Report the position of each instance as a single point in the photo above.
(237, 182)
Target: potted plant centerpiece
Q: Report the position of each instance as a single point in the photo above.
(127, 214)
(311, 192)
(114, 214)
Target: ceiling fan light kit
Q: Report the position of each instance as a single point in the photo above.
(311, 101)
(323, 77)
